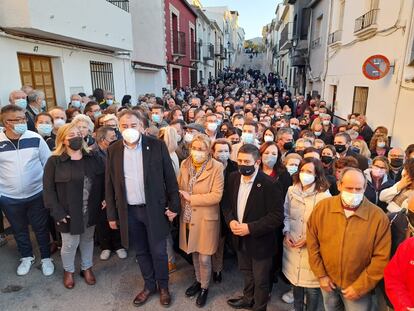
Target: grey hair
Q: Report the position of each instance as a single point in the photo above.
(34, 96)
(282, 131)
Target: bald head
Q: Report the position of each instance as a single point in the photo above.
(395, 152)
(352, 180)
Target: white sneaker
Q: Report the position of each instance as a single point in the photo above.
(47, 266)
(288, 297)
(24, 267)
(122, 253)
(105, 254)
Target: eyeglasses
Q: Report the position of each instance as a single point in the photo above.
(17, 121)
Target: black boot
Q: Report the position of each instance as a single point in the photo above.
(217, 277)
(202, 298)
(193, 289)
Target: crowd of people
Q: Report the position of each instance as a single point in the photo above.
(237, 166)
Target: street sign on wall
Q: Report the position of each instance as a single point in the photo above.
(376, 67)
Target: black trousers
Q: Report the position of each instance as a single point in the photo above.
(256, 279)
(107, 238)
(152, 255)
(1, 222)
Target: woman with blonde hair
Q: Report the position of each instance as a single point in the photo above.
(73, 190)
(361, 147)
(86, 128)
(201, 182)
(170, 136)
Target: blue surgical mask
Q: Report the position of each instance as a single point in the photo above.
(76, 104)
(22, 103)
(97, 114)
(156, 118)
(248, 138)
(20, 129)
(44, 129)
(43, 104)
(109, 101)
(292, 169)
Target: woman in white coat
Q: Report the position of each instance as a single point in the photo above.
(309, 187)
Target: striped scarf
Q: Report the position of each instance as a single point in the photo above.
(194, 175)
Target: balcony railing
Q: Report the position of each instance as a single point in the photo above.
(195, 51)
(178, 43)
(315, 43)
(224, 54)
(285, 35)
(122, 4)
(366, 20)
(334, 37)
(209, 52)
(218, 50)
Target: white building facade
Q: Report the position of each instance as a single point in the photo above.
(359, 30)
(60, 49)
(148, 56)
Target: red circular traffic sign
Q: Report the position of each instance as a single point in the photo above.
(376, 67)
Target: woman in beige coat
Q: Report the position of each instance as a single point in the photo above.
(309, 187)
(201, 182)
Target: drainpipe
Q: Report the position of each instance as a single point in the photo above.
(325, 69)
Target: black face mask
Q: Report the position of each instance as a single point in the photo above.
(397, 162)
(303, 126)
(288, 146)
(326, 159)
(76, 143)
(300, 152)
(246, 170)
(340, 148)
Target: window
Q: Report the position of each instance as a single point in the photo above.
(360, 100)
(102, 76)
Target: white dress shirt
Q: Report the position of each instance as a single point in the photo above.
(134, 174)
(243, 195)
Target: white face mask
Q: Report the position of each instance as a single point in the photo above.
(130, 135)
(269, 160)
(380, 144)
(306, 179)
(198, 156)
(326, 122)
(58, 123)
(223, 156)
(212, 126)
(188, 137)
(352, 199)
(268, 138)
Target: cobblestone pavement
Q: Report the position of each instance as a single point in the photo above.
(118, 281)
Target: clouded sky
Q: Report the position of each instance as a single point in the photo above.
(253, 14)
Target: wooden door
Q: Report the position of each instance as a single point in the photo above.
(37, 72)
(360, 100)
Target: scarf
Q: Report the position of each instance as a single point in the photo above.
(194, 175)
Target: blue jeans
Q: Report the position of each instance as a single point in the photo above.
(335, 301)
(21, 213)
(151, 255)
(314, 300)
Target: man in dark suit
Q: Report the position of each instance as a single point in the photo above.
(142, 195)
(342, 143)
(254, 209)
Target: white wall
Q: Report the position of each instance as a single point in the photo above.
(92, 22)
(345, 65)
(148, 31)
(71, 68)
(150, 82)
